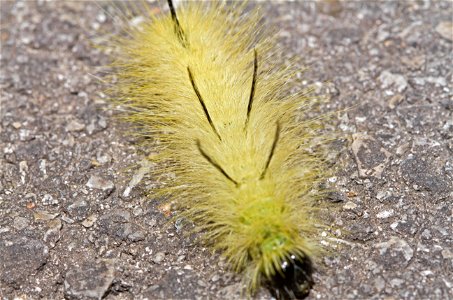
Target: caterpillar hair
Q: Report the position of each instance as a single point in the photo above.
(202, 82)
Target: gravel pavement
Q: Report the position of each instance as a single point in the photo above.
(75, 221)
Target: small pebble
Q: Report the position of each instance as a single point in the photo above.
(385, 214)
(96, 182)
(350, 205)
(49, 200)
(445, 29)
(44, 216)
(75, 126)
(159, 257)
(88, 222)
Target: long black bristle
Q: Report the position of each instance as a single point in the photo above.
(252, 90)
(216, 165)
(178, 28)
(203, 105)
(271, 154)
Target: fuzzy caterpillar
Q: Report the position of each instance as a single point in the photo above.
(201, 82)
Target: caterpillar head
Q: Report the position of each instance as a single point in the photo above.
(295, 279)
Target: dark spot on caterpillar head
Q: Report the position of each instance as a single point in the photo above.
(295, 279)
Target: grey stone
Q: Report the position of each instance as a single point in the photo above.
(404, 227)
(91, 127)
(89, 280)
(337, 197)
(396, 282)
(96, 182)
(361, 231)
(67, 219)
(417, 171)
(117, 225)
(138, 176)
(159, 257)
(440, 81)
(447, 254)
(426, 234)
(395, 252)
(52, 235)
(20, 257)
(75, 125)
(379, 284)
(136, 234)
(138, 211)
(395, 100)
(42, 215)
(370, 155)
(382, 195)
(32, 151)
(21, 223)
(390, 80)
(88, 222)
(231, 291)
(49, 200)
(102, 122)
(103, 158)
(79, 209)
(385, 214)
(445, 29)
(350, 205)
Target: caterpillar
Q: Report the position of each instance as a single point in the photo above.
(200, 84)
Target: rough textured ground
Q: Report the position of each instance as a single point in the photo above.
(70, 227)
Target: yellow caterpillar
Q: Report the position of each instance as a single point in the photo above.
(202, 83)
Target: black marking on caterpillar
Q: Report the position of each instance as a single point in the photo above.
(206, 112)
(295, 279)
(216, 165)
(271, 154)
(178, 29)
(252, 90)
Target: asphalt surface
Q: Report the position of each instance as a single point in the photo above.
(75, 221)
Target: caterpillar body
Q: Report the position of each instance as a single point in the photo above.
(201, 82)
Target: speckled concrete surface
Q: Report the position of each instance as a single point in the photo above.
(71, 228)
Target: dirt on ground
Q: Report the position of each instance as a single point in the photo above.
(75, 220)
